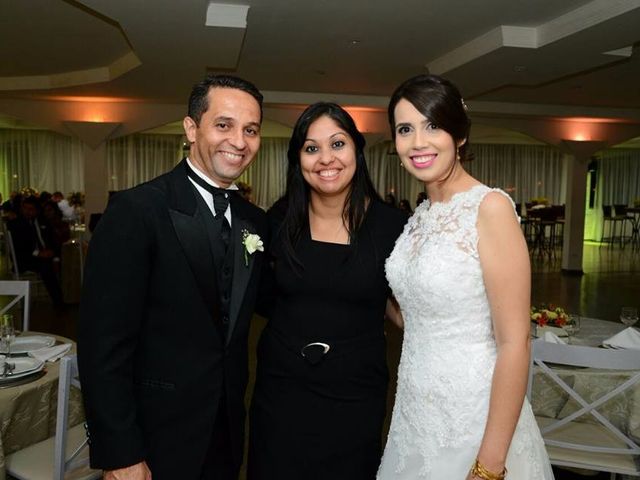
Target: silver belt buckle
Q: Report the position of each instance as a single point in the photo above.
(314, 356)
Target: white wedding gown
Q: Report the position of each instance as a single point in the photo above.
(449, 352)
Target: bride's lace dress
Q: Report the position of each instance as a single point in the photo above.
(449, 352)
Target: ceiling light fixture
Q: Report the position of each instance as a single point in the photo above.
(229, 16)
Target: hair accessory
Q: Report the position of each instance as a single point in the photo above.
(464, 105)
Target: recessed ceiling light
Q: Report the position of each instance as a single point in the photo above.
(354, 42)
(229, 16)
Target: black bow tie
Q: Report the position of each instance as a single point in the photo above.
(220, 195)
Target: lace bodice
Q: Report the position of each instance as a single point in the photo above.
(449, 352)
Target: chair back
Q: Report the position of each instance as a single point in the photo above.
(20, 290)
(11, 256)
(68, 377)
(607, 211)
(620, 210)
(576, 440)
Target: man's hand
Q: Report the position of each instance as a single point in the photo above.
(139, 471)
(46, 253)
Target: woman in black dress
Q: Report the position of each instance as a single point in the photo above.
(320, 394)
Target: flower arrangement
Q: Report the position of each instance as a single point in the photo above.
(549, 315)
(28, 192)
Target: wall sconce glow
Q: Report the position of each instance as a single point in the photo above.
(581, 137)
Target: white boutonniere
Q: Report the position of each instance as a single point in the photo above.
(252, 243)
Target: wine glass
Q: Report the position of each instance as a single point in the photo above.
(572, 326)
(7, 332)
(629, 315)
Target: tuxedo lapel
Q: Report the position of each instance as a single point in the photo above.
(193, 237)
(241, 267)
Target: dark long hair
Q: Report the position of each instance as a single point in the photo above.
(360, 192)
(440, 101)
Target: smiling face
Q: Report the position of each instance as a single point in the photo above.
(328, 158)
(426, 151)
(227, 138)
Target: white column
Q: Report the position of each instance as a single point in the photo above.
(576, 188)
(95, 180)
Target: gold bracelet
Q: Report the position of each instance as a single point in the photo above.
(480, 471)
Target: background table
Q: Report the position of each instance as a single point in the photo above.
(28, 412)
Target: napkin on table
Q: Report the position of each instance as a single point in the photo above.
(627, 338)
(553, 338)
(51, 354)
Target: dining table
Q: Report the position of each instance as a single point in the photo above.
(549, 400)
(28, 408)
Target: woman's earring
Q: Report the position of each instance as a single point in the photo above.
(458, 153)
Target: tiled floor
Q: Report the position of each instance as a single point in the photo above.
(611, 280)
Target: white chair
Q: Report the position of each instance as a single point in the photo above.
(64, 456)
(19, 289)
(577, 440)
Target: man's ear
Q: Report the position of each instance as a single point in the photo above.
(190, 128)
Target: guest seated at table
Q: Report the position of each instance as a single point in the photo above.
(405, 206)
(34, 247)
(60, 231)
(68, 212)
(422, 196)
(11, 208)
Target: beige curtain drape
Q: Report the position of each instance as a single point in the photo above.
(41, 160)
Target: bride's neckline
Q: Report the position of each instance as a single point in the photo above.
(454, 197)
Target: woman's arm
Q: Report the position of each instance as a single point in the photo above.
(393, 313)
(507, 276)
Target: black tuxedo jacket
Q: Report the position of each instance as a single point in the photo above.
(25, 241)
(153, 360)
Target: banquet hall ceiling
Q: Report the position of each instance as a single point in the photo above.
(580, 57)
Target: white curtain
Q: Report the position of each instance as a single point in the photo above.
(137, 158)
(619, 176)
(389, 176)
(524, 171)
(617, 182)
(39, 159)
(267, 175)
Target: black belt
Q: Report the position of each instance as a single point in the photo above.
(315, 351)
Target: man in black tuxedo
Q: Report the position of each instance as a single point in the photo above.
(33, 244)
(169, 290)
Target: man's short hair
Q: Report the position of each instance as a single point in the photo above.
(198, 100)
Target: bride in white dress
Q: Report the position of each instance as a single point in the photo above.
(460, 273)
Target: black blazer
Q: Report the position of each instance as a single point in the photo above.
(25, 241)
(152, 359)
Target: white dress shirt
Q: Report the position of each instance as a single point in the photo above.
(206, 195)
